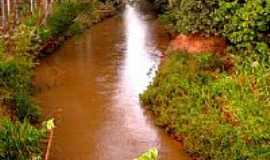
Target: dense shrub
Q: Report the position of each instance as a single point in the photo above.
(245, 24)
(25, 107)
(160, 5)
(192, 16)
(219, 114)
(15, 76)
(16, 73)
(63, 15)
(20, 141)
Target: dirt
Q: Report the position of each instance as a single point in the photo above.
(196, 44)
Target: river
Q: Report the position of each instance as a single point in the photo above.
(91, 86)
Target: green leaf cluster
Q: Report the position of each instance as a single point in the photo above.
(151, 154)
(192, 16)
(245, 24)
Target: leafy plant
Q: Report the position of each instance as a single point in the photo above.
(26, 108)
(20, 141)
(151, 154)
(22, 40)
(15, 76)
(63, 15)
(192, 16)
(245, 24)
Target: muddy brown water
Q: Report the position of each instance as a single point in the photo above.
(91, 87)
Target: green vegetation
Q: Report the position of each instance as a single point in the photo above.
(219, 113)
(21, 138)
(192, 16)
(217, 104)
(161, 5)
(64, 15)
(20, 141)
(245, 24)
(151, 154)
(16, 80)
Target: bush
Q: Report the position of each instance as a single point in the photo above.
(22, 40)
(20, 141)
(245, 24)
(26, 108)
(161, 5)
(16, 76)
(219, 114)
(16, 73)
(63, 15)
(192, 16)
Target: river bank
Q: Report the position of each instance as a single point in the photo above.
(214, 102)
(19, 50)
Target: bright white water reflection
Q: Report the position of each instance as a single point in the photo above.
(140, 62)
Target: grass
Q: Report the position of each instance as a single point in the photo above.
(220, 112)
(24, 140)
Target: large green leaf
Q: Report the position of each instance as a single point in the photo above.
(151, 154)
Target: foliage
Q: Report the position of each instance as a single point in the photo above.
(2, 47)
(151, 154)
(160, 5)
(15, 76)
(192, 16)
(42, 34)
(63, 15)
(26, 108)
(20, 141)
(245, 24)
(16, 71)
(219, 113)
(88, 15)
(22, 39)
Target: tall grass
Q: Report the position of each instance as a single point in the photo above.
(20, 141)
(65, 13)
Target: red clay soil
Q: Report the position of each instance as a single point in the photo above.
(195, 43)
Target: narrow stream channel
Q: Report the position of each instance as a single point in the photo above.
(91, 86)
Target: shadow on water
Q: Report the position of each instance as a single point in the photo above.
(91, 86)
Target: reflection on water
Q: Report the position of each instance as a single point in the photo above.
(139, 61)
(91, 86)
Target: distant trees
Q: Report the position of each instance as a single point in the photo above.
(13, 10)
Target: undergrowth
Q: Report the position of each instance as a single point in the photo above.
(220, 112)
(20, 135)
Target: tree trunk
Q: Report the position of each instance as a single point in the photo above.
(8, 8)
(16, 11)
(31, 6)
(3, 13)
(46, 8)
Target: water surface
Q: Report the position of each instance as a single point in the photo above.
(91, 86)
